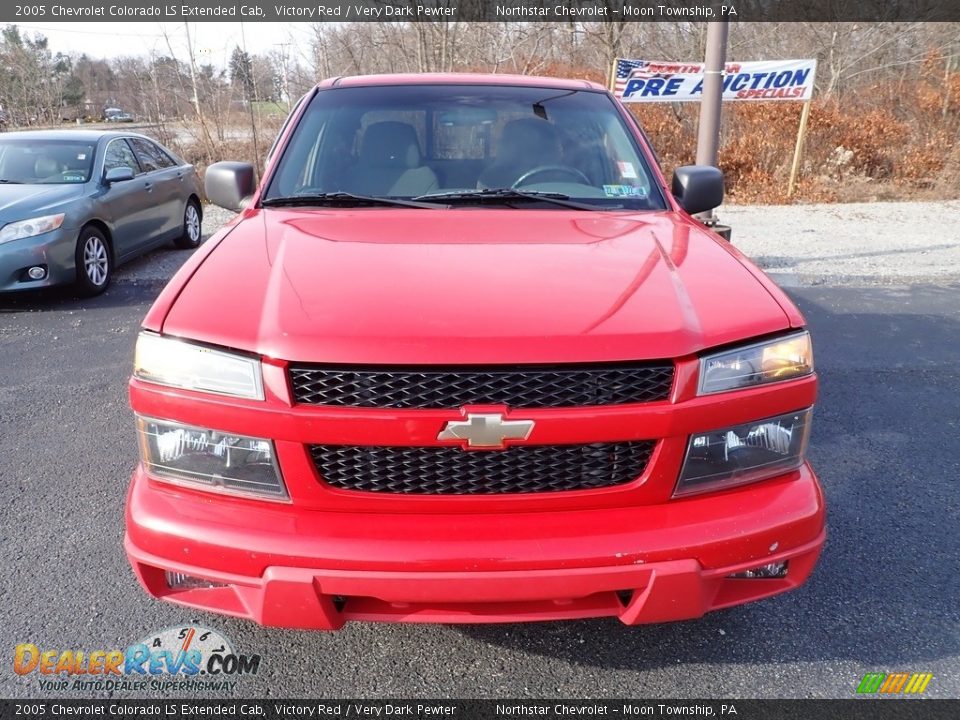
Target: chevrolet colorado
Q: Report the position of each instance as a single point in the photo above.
(464, 356)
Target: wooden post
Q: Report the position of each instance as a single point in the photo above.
(613, 76)
(798, 150)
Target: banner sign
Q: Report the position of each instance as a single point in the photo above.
(661, 81)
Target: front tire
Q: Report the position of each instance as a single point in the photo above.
(192, 231)
(94, 262)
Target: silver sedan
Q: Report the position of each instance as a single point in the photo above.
(74, 204)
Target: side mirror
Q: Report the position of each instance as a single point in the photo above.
(118, 174)
(229, 184)
(697, 187)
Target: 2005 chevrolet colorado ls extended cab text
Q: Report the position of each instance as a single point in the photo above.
(464, 356)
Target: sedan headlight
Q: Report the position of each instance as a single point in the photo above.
(745, 453)
(210, 459)
(783, 358)
(28, 228)
(173, 362)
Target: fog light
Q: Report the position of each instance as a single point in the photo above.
(37, 272)
(182, 581)
(773, 570)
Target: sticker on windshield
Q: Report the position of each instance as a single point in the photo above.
(627, 170)
(81, 156)
(624, 191)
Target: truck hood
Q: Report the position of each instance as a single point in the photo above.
(20, 202)
(468, 286)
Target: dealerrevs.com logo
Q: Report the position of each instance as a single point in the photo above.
(189, 658)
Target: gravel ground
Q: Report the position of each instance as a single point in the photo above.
(155, 268)
(853, 245)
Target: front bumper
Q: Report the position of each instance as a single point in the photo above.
(285, 566)
(56, 250)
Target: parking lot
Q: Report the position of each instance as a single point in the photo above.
(886, 442)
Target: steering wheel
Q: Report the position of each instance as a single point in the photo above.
(541, 169)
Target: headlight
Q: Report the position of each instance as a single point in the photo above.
(784, 358)
(213, 460)
(194, 367)
(745, 453)
(28, 228)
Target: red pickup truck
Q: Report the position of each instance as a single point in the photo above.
(465, 356)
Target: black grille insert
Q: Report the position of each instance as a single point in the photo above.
(452, 471)
(516, 386)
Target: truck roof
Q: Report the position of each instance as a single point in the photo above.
(87, 135)
(459, 79)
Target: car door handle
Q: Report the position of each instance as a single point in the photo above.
(148, 186)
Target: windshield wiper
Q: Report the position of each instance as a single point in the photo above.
(342, 198)
(4, 181)
(495, 194)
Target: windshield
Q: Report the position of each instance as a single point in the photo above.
(462, 143)
(45, 162)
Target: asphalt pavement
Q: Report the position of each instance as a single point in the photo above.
(883, 598)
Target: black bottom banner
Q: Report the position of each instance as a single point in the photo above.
(860, 709)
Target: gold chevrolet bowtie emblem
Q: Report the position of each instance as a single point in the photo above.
(482, 430)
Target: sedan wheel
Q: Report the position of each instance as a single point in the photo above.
(192, 231)
(94, 265)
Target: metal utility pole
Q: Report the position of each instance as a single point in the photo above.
(208, 140)
(286, 75)
(251, 100)
(708, 133)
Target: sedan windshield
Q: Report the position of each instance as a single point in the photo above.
(481, 145)
(45, 162)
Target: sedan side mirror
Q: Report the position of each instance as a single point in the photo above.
(697, 187)
(230, 184)
(118, 174)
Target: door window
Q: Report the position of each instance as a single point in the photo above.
(119, 154)
(150, 156)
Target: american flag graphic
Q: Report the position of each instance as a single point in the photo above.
(624, 68)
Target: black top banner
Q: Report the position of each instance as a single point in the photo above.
(616, 11)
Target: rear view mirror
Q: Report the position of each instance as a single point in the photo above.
(467, 117)
(118, 174)
(230, 184)
(698, 187)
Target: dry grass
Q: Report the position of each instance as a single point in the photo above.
(230, 138)
(893, 141)
(896, 140)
